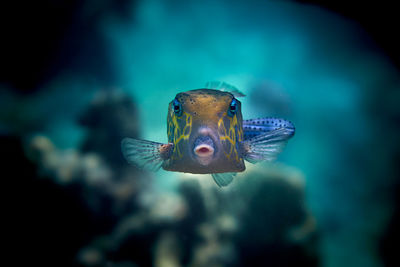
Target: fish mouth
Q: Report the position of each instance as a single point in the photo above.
(204, 149)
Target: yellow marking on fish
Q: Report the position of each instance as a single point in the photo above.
(180, 134)
(231, 135)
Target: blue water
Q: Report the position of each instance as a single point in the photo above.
(311, 66)
(321, 65)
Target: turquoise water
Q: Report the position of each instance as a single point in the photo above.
(294, 61)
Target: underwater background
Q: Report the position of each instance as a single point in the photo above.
(78, 76)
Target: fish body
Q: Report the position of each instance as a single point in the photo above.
(207, 135)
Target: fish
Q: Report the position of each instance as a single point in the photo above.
(207, 135)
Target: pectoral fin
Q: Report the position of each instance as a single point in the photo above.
(265, 146)
(145, 154)
(223, 179)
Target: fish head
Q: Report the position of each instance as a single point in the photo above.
(205, 126)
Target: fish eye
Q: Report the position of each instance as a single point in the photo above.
(177, 107)
(232, 107)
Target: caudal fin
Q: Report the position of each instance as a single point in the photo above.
(255, 127)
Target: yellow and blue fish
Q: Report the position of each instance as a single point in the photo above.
(207, 135)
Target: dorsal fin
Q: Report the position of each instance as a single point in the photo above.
(223, 86)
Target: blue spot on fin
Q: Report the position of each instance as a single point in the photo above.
(145, 154)
(265, 146)
(255, 127)
(223, 179)
(223, 86)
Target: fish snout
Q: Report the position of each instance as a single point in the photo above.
(204, 149)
